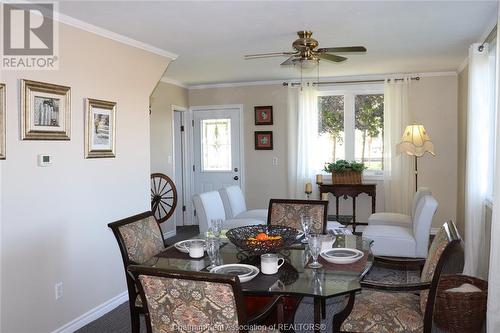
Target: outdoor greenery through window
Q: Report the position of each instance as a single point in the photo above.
(351, 125)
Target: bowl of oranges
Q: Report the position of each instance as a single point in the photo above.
(260, 239)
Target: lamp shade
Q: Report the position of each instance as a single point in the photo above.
(415, 141)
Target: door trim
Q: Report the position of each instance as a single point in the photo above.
(239, 108)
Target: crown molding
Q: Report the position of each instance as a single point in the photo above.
(114, 36)
(174, 82)
(331, 78)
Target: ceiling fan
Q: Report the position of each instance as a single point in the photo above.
(306, 51)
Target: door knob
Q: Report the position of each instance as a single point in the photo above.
(236, 178)
(235, 169)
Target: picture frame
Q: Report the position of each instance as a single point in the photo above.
(45, 111)
(263, 115)
(100, 128)
(2, 122)
(263, 140)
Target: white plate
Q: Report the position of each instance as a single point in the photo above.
(245, 277)
(342, 255)
(181, 246)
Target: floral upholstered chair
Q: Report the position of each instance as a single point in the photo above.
(192, 301)
(139, 238)
(397, 308)
(287, 212)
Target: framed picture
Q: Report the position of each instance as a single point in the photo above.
(263, 140)
(263, 115)
(2, 121)
(45, 111)
(100, 131)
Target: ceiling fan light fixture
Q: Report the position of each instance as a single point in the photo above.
(308, 63)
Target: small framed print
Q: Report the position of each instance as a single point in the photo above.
(100, 131)
(263, 140)
(45, 111)
(263, 115)
(2, 121)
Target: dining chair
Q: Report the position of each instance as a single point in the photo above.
(287, 212)
(387, 307)
(180, 301)
(403, 220)
(139, 238)
(236, 207)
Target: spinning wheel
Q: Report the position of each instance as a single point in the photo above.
(163, 197)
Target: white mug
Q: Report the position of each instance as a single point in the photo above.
(270, 263)
(196, 249)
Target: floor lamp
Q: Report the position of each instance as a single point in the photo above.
(416, 142)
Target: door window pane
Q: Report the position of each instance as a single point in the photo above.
(216, 145)
(369, 130)
(331, 127)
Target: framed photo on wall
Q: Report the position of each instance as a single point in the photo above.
(2, 121)
(263, 115)
(100, 131)
(45, 111)
(263, 140)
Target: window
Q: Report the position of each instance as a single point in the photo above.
(351, 123)
(216, 144)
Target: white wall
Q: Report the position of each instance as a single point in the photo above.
(54, 219)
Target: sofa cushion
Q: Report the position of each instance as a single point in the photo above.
(401, 220)
(392, 241)
(257, 214)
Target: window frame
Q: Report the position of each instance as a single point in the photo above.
(349, 91)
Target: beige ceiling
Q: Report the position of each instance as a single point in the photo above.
(212, 37)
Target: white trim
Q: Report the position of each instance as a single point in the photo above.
(464, 64)
(174, 82)
(333, 79)
(93, 314)
(169, 234)
(114, 36)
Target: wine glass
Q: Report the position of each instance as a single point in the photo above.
(305, 222)
(212, 251)
(215, 227)
(315, 241)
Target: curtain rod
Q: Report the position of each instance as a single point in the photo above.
(416, 78)
(489, 38)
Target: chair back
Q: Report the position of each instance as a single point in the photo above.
(233, 200)
(287, 212)
(421, 192)
(208, 206)
(424, 214)
(180, 301)
(445, 256)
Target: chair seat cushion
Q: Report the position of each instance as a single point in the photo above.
(376, 312)
(257, 214)
(391, 241)
(401, 220)
(235, 223)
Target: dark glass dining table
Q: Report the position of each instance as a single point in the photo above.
(294, 278)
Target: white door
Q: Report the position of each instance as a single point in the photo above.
(217, 147)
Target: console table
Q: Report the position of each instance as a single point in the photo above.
(350, 190)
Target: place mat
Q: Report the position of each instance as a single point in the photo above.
(356, 267)
(172, 252)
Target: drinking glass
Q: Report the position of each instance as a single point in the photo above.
(212, 251)
(215, 227)
(305, 222)
(315, 241)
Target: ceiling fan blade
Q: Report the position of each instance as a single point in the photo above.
(266, 55)
(342, 49)
(288, 61)
(331, 57)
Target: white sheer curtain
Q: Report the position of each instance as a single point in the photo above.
(302, 138)
(479, 116)
(399, 180)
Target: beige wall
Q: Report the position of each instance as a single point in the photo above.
(263, 179)
(433, 102)
(54, 219)
(463, 86)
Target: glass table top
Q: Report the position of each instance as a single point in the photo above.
(294, 277)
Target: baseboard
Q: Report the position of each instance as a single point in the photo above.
(93, 314)
(169, 234)
(434, 231)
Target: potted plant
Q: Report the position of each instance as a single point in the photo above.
(345, 172)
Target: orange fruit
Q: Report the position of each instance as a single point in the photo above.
(262, 236)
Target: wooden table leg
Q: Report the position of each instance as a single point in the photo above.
(339, 318)
(354, 214)
(374, 198)
(317, 314)
(337, 207)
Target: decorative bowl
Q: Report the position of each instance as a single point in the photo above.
(240, 237)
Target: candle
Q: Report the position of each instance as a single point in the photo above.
(319, 179)
(324, 196)
(309, 188)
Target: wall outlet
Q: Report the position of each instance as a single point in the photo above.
(58, 288)
(275, 160)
